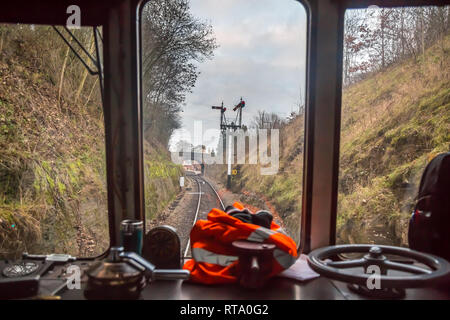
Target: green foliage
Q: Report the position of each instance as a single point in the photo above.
(161, 181)
(285, 193)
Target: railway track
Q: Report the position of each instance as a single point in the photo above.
(206, 201)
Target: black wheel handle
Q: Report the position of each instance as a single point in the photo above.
(439, 268)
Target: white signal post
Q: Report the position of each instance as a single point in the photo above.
(224, 127)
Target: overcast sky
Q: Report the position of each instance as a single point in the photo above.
(261, 58)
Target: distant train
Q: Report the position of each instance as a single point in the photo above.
(192, 167)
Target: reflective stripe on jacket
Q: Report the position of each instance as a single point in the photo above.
(214, 258)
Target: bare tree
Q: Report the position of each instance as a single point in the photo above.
(374, 39)
(266, 120)
(173, 42)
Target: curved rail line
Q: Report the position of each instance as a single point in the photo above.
(218, 197)
(197, 178)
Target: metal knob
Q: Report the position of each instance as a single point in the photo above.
(375, 252)
(114, 254)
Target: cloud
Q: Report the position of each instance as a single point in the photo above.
(261, 58)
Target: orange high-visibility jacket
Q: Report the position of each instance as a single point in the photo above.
(214, 258)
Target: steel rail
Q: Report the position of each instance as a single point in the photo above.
(196, 215)
(218, 197)
(198, 208)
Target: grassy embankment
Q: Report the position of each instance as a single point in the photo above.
(161, 179)
(52, 152)
(393, 123)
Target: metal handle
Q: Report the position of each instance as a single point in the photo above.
(171, 274)
(254, 267)
(54, 257)
(26, 255)
(156, 274)
(149, 267)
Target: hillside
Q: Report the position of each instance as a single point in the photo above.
(52, 172)
(393, 123)
(52, 152)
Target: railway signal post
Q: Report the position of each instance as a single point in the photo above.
(225, 127)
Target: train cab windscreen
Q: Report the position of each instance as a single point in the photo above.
(224, 150)
(52, 146)
(395, 117)
(223, 110)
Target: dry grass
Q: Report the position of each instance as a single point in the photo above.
(52, 175)
(52, 158)
(393, 123)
